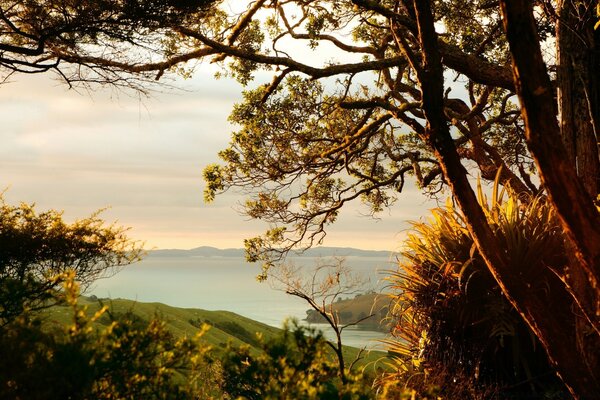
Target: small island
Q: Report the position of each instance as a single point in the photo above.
(369, 311)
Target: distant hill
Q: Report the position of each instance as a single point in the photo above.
(225, 326)
(203, 251)
(207, 251)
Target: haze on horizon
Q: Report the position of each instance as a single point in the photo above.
(143, 158)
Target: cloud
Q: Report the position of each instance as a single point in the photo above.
(144, 158)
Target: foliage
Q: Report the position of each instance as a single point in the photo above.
(454, 327)
(296, 365)
(36, 248)
(108, 42)
(349, 127)
(373, 111)
(119, 353)
(124, 360)
(375, 108)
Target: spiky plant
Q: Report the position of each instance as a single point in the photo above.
(453, 326)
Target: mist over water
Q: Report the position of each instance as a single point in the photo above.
(229, 283)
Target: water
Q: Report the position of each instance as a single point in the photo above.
(228, 283)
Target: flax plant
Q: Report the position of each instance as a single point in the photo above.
(453, 328)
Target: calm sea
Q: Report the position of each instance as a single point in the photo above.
(228, 283)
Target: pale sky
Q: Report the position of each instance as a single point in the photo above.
(143, 158)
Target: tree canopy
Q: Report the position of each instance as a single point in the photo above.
(318, 137)
(456, 85)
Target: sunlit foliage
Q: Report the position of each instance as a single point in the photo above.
(37, 247)
(123, 360)
(454, 327)
(346, 125)
(296, 365)
(375, 112)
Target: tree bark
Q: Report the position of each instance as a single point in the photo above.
(575, 207)
(549, 315)
(578, 55)
(570, 196)
(578, 48)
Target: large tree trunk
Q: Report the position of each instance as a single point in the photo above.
(578, 83)
(578, 78)
(574, 205)
(572, 195)
(548, 314)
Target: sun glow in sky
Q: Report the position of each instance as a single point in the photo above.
(143, 158)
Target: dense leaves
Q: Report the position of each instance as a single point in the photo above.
(92, 41)
(345, 125)
(452, 320)
(394, 91)
(442, 101)
(36, 248)
(296, 365)
(122, 360)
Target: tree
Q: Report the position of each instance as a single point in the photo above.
(325, 285)
(318, 137)
(111, 42)
(453, 323)
(548, 324)
(36, 249)
(294, 365)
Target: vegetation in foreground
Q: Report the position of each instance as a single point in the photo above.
(103, 353)
(329, 138)
(457, 335)
(455, 328)
(55, 344)
(318, 136)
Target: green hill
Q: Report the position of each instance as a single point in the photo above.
(226, 327)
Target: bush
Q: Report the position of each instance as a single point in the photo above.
(37, 248)
(124, 360)
(296, 365)
(455, 328)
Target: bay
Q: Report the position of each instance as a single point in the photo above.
(229, 283)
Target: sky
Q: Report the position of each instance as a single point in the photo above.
(142, 159)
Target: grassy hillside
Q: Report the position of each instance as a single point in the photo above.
(226, 327)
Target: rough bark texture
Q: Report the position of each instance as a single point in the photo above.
(578, 51)
(547, 312)
(574, 205)
(578, 48)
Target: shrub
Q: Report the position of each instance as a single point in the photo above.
(454, 328)
(296, 365)
(37, 248)
(124, 360)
